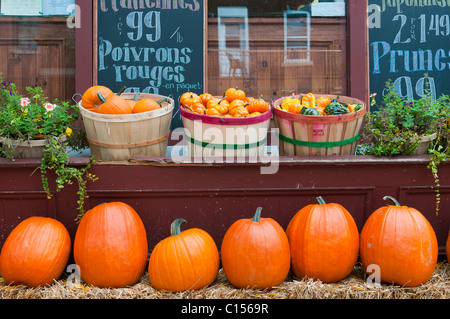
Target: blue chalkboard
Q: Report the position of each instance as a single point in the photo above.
(155, 47)
(408, 40)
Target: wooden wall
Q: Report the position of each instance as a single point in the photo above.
(38, 51)
(213, 196)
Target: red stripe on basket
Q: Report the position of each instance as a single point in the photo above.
(209, 119)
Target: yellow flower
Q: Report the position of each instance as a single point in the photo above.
(68, 131)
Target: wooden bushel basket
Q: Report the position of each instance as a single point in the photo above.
(115, 137)
(225, 138)
(305, 135)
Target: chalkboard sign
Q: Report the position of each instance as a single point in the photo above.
(155, 47)
(408, 40)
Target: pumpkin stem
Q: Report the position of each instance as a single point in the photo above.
(175, 227)
(136, 97)
(257, 216)
(320, 200)
(188, 107)
(101, 97)
(121, 90)
(396, 203)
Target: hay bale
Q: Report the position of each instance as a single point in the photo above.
(352, 287)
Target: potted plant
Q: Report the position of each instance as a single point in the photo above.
(409, 127)
(399, 126)
(33, 127)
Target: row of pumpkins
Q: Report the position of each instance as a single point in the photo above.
(101, 99)
(321, 241)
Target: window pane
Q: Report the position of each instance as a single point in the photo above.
(276, 48)
(37, 47)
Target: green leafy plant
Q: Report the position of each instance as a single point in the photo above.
(33, 117)
(398, 125)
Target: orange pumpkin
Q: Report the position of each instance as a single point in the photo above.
(258, 105)
(255, 253)
(234, 104)
(113, 104)
(90, 99)
(232, 94)
(205, 98)
(323, 101)
(215, 101)
(198, 108)
(148, 104)
(133, 101)
(189, 98)
(240, 111)
(212, 112)
(401, 242)
(187, 260)
(220, 104)
(110, 246)
(324, 241)
(35, 253)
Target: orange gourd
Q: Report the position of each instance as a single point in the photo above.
(323, 101)
(215, 101)
(113, 104)
(212, 112)
(133, 101)
(110, 246)
(205, 98)
(240, 111)
(198, 108)
(255, 253)
(35, 253)
(220, 104)
(324, 241)
(90, 99)
(258, 105)
(401, 242)
(148, 104)
(189, 98)
(232, 94)
(234, 104)
(187, 260)
(309, 100)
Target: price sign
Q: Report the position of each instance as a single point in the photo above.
(409, 45)
(155, 47)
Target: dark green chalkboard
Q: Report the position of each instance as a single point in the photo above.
(406, 41)
(153, 47)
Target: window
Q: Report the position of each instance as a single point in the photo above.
(275, 48)
(37, 47)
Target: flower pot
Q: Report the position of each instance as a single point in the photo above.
(26, 149)
(424, 144)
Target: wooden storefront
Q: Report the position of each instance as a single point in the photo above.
(213, 196)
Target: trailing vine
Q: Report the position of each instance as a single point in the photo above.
(56, 159)
(440, 152)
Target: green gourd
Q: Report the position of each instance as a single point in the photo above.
(310, 111)
(336, 108)
(358, 107)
